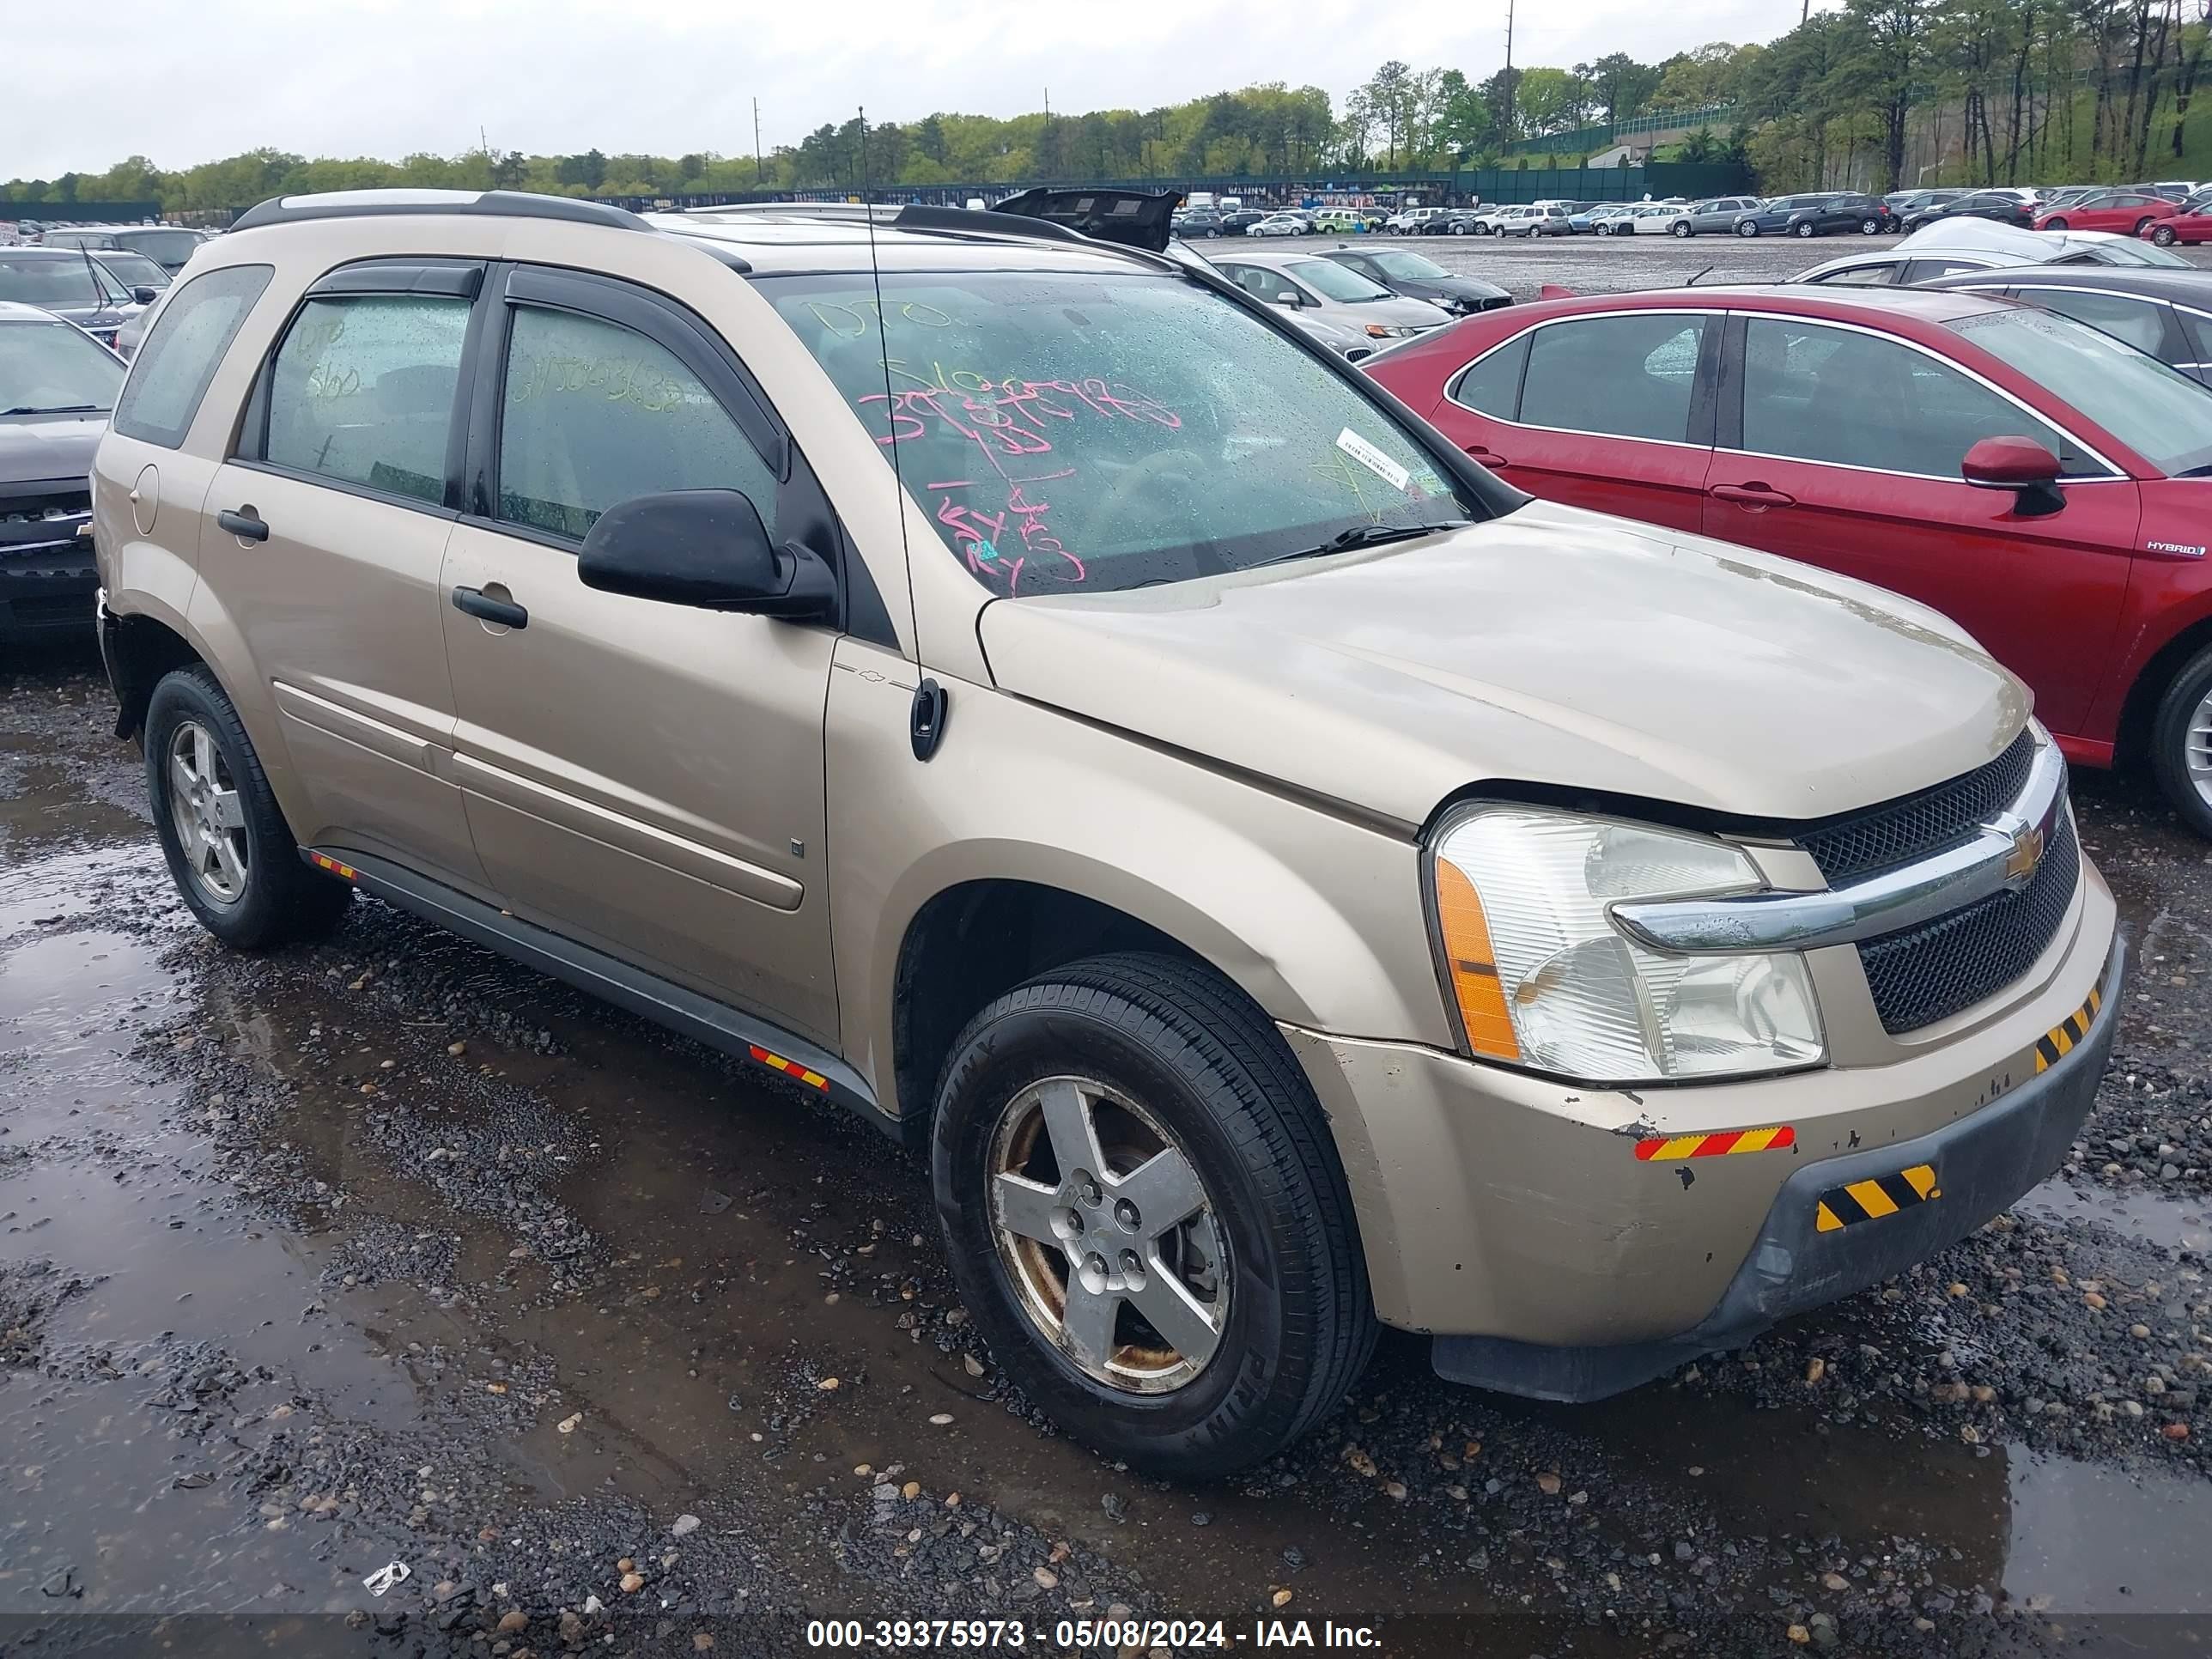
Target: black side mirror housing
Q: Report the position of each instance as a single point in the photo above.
(145, 296)
(707, 549)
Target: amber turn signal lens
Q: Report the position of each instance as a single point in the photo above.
(1473, 965)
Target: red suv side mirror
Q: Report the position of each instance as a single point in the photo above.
(2020, 465)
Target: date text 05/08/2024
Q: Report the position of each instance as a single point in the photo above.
(1084, 1635)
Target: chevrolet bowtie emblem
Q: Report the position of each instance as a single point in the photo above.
(2027, 853)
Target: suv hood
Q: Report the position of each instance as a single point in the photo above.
(49, 448)
(1552, 646)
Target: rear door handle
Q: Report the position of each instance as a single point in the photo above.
(1752, 495)
(478, 603)
(1487, 456)
(244, 523)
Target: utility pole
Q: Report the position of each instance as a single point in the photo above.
(759, 172)
(1510, 100)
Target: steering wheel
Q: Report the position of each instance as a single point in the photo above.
(1122, 496)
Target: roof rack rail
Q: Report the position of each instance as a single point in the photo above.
(490, 203)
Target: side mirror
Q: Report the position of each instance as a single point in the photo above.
(706, 548)
(145, 296)
(2020, 465)
(1286, 298)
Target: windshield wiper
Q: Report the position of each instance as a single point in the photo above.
(2203, 472)
(1368, 535)
(54, 409)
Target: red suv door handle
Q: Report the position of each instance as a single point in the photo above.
(1487, 456)
(1752, 497)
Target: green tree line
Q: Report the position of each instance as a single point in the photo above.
(1877, 93)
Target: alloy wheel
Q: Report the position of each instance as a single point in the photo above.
(207, 814)
(2197, 752)
(1109, 1235)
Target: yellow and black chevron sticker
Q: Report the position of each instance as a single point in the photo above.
(1870, 1200)
(2060, 1039)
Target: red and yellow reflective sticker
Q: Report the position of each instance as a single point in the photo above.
(343, 872)
(790, 1068)
(1666, 1149)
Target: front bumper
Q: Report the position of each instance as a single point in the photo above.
(1808, 1255)
(47, 591)
(1515, 1211)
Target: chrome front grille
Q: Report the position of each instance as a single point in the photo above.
(1931, 972)
(1911, 829)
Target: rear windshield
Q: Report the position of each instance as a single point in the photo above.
(1067, 431)
(2162, 415)
(171, 247)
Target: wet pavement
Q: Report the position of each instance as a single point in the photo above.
(386, 1251)
(1611, 264)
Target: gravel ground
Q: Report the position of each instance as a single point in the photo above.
(386, 1251)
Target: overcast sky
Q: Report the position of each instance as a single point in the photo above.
(187, 80)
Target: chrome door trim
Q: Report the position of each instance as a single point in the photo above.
(2004, 854)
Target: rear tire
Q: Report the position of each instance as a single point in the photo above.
(228, 848)
(2141, 225)
(1284, 1321)
(1869, 227)
(2181, 742)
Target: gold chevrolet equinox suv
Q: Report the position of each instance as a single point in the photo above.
(1002, 679)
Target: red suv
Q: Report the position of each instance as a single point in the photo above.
(2131, 212)
(2045, 485)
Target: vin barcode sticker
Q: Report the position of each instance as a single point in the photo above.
(1372, 459)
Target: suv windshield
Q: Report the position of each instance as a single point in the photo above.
(1070, 431)
(1412, 266)
(46, 367)
(2162, 415)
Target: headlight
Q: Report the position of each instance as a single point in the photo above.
(1542, 978)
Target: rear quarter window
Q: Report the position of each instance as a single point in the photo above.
(170, 375)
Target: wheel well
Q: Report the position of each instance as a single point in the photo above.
(140, 651)
(975, 942)
(2136, 714)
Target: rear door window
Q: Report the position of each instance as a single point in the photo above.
(362, 390)
(1492, 385)
(1625, 377)
(171, 372)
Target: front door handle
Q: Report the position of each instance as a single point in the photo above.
(244, 523)
(478, 603)
(1753, 497)
(1487, 456)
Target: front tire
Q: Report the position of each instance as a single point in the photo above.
(2054, 224)
(1147, 1217)
(2164, 236)
(1747, 228)
(2181, 742)
(228, 846)
(1806, 229)
(1681, 229)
